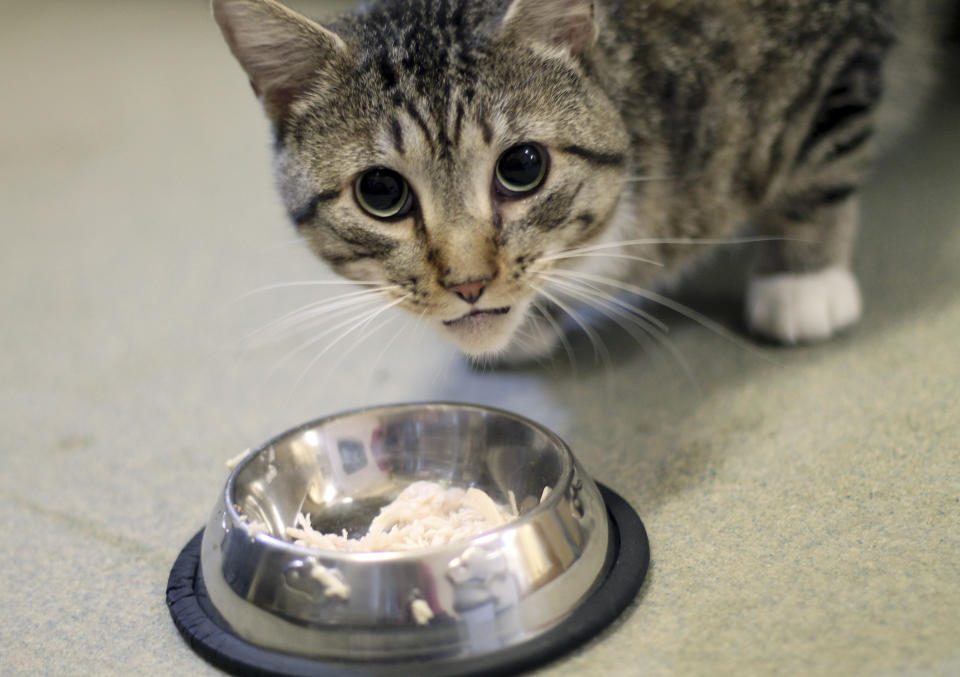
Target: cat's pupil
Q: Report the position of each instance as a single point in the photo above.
(521, 169)
(382, 192)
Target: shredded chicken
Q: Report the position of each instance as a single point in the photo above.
(332, 581)
(425, 514)
(235, 461)
(421, 611)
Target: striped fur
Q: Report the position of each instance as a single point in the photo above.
(661, 120)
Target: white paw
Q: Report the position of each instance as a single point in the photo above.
(803, 307)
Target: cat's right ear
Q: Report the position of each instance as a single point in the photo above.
(283, 52)
(565, 25)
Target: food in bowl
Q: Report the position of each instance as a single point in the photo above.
(423, 515)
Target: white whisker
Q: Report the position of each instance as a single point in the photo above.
(599, 350)
(386, 346)
(404, 325)
(634, 311)
(359, 340)
(285, 243)
(539, 339)
(306, 283)
(441, 372)
(645, 179)
(358, 324)
(574, 255)
(662, 240)
(615, 309)
(686, 311)
(595, 300)
(418, 332)
(527, 343)
(330, 330)
(561, 336)
(305, 315)
(593, 294)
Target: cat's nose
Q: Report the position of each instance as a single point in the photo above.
(469, 291)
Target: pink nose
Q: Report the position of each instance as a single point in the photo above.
(469, 291)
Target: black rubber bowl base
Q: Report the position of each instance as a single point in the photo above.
(210, 636)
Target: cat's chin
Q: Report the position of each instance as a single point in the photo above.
(484, 333)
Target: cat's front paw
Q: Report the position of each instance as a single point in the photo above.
(803, 307)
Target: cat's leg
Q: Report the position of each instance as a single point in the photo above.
(802, 289)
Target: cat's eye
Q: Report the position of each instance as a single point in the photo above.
(383, 194)
(520, 170)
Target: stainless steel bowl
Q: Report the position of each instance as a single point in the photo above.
(498, 590)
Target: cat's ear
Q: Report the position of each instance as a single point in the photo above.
(282, 51)
(556, 24)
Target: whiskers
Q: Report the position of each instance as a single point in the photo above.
(569, 290)
(300, 284)
(306, 317)
(603, 249)
(344, 320)
(646, 178)
(600, 352)
(353, 324)
(588, 253)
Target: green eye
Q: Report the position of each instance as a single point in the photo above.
(521, 170)
(383, 194)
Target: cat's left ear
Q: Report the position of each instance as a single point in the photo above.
(567, 25)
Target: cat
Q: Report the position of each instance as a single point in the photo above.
(490, 164)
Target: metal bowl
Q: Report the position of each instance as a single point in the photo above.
(495, 591)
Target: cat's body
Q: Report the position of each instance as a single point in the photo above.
(648, 123)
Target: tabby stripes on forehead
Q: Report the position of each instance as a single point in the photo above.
(441, 132)
(414, 114)
(486, 130)
(396, 132)
(458, 124)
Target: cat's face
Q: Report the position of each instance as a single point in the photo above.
(447, 172)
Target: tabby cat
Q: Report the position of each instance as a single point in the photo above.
(488, 164)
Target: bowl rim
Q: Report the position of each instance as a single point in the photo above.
(240, 521)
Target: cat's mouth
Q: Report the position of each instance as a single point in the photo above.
(475, 315)
(485, 331)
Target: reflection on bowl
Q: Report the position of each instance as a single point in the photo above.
(468, 598)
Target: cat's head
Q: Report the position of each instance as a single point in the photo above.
(439, 148)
